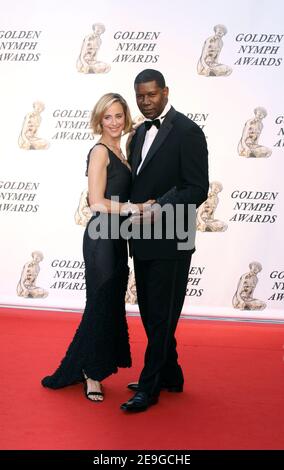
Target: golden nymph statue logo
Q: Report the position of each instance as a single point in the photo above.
(243, 298)
(83, 212)
(29, 140)
(208, 64)
(88, 59)
(131, 293)
(206, 221)
(27, 284)
(249, 145)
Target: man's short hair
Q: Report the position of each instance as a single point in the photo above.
(150, 75)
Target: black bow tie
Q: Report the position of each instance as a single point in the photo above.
(155, 122)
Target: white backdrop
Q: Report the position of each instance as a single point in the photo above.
(40, 189)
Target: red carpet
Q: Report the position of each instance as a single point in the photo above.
(233, 397)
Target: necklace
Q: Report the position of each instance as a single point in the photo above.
(118, 152)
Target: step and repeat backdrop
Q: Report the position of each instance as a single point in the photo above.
(223, 63)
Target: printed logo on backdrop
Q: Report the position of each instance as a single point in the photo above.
(193, 281)
(28, 139)
(68, 274)
(88, 61)
(83, 212)
(19, 46)
(137, 121)
(27, 287)
(199, 118)
(259, 49)
(280, 122)
(243, 298)
(205, 220)
(72, 124)
(18, 196)
(254, 206)
(249, 145)
(131, 292)
(209, 64)
(137, 46)
(278, 285)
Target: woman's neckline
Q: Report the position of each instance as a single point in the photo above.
(122, 160)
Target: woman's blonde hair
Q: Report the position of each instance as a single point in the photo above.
(100, 108)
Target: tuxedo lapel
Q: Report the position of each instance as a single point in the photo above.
(160, 137)
(141, 132)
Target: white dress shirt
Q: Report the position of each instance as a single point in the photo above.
(151, 134)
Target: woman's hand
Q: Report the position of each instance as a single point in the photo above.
(137, 209)
(145, 206)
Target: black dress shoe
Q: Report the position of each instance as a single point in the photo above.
(170, 388)
(134, 386)
(139, 402)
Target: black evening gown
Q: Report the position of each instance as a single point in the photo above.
(101, 342)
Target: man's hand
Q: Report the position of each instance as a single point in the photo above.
(151, 212)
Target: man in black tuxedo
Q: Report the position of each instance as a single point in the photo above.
(168, 156)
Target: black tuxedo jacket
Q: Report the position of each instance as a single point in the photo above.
(175, 171)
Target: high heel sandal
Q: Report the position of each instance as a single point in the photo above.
(90, 394)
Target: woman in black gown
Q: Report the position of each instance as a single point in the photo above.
(101, 342)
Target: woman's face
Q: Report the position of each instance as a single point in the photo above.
(113, 121)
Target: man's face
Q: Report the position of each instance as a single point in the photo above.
(151, 99)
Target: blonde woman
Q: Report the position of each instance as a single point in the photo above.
(101, 343)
